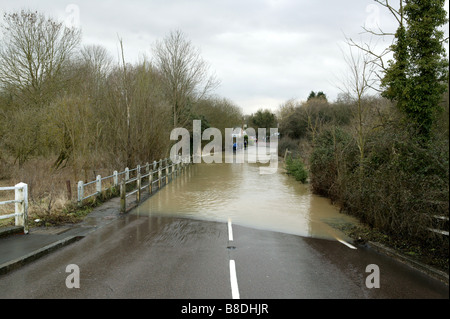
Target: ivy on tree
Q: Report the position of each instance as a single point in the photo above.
(417, 76)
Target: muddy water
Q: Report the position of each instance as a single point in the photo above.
(223, 191)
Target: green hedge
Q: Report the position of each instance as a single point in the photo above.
(296, 168)
(403, 183)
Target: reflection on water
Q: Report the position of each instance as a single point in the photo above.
(222, 191)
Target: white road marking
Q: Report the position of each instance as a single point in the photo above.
(233, 279)
(230, 231)
(345, 243)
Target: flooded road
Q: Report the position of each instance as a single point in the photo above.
(237, 191)
(177, 244)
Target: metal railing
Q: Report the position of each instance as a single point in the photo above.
(21, 205)
(442, 220)
(150, 174)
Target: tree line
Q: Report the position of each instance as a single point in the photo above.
(69, 111)
(381, 150)
(74, 105)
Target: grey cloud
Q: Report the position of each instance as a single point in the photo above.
(269, 50)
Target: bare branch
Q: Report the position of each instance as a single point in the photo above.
(380, 33)
(185, 72)
(33, 53)
(398, 14)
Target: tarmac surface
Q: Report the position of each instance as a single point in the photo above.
(17, 248)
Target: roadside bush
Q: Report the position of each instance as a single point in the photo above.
(296, 168)
(334, 154)
(286, 143)
(405, 184)
(402, 185)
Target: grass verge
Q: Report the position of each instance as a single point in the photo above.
(430, 256)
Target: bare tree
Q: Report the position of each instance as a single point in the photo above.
(72, 137)
(358, 83)
(286, 109)
(378, 57)
(33, 53)
(185, 73)
(314, 120)
(219, 112)
(97, 58)
(128, 100)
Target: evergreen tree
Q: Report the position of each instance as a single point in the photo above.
(321, 95)
(418, 75)
(312, 95)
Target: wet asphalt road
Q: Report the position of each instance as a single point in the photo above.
(166, 258)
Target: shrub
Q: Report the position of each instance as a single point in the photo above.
(403, 185)
(296, 168)
(287, 143)
(334, 154)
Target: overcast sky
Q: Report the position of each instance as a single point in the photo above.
(263, 52)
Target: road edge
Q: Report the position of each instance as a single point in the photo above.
(19, 262)
(428, 270)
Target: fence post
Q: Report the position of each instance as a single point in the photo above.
(123, 197)
(98, 185)
(147, 170)
(21, 194)
(80, 192)
(127, 173)
(116, 178)
(150, 182)
(138, 185)
(159, 177)
(167, 172)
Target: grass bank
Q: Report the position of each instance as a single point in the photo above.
(51, 198)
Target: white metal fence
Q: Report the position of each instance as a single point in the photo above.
(21, 205)
(148, 176)
(440, 230)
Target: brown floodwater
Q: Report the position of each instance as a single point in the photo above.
(238, 192)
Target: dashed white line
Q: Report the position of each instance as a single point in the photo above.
(233, 279)
(230, 231)
(345, 243)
